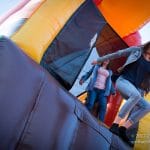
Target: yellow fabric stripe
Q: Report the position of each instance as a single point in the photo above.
(40, 30)
(143, 135)
(127, 16)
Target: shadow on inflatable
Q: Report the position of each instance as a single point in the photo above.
(37, 113)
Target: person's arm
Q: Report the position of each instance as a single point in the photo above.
(112, 90)
(86, 76)
(118, 54)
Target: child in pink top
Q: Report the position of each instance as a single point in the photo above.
(99, 87)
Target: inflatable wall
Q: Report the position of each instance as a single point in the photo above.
(39, 26)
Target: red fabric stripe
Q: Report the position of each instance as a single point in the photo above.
(97, 2)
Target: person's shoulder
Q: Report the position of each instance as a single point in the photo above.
(110, 71)
(97, 65)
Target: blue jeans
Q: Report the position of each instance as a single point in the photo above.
(98, 95)
(134, 98)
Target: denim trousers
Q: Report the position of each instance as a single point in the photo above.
(133, 99)
(97, 95)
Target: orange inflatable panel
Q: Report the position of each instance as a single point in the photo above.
(125, 17)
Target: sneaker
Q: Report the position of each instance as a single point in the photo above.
(114, 128)
(124, 137)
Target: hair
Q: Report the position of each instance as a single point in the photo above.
(108, 66)
(146, 83)
(146, 46)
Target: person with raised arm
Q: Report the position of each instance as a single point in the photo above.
(133, 83)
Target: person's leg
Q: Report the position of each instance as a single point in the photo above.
(102, 105)
(143, 109)
(91, 99)
(128, 91)
(132, 95)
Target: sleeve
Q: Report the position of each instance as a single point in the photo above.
(87, 74)
(112, 90)
(118, 54)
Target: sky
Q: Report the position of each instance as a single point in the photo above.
(4, 7)
(145, 33)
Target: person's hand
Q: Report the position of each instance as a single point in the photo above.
(81, 82)
(119, 70)
(94, 62)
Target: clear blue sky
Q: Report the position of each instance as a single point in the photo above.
(145, 33)
(6, 5)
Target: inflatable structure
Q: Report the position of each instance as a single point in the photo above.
(60, 36)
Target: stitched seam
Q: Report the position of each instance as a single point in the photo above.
(74, 135)
(88, 124)
(31, 114)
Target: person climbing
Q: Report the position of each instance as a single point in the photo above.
(134, 80)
